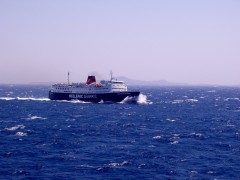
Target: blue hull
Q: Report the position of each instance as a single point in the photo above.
(113, 97)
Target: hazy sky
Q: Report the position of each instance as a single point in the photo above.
(186, 41)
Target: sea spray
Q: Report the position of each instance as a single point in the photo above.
(141, 99)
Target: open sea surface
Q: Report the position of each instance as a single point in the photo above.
(171, 133)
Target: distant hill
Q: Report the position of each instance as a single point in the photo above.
(129, 81)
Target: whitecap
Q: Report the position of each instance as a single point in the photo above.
(113, 164)
(175, 142)
(157, 137)
(35, 117)
(141, 166)
(199, 135)
(177, 101)
(21, 134)
(118, 164)
(211, 172)
(15, 128)
(191, 100)
(231, 99)
(212, 91)
(171, 120)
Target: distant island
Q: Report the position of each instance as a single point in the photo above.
(134, 82)
(128, 81)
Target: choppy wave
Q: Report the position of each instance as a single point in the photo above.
(122, 141)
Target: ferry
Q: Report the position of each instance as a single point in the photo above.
(106, 91)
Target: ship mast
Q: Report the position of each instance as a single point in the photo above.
(68, 77)
(111, 75)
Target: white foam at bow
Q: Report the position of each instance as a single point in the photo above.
(141, 99)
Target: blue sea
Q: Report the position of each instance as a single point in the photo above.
(170, 133)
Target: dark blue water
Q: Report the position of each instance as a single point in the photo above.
(177, 133)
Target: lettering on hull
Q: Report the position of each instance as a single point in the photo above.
(81, 96)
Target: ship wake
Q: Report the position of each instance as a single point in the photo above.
(23, 99)
(40, 99)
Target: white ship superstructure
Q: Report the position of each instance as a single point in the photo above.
(102, 87)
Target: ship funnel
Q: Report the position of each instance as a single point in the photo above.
(91, 79)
